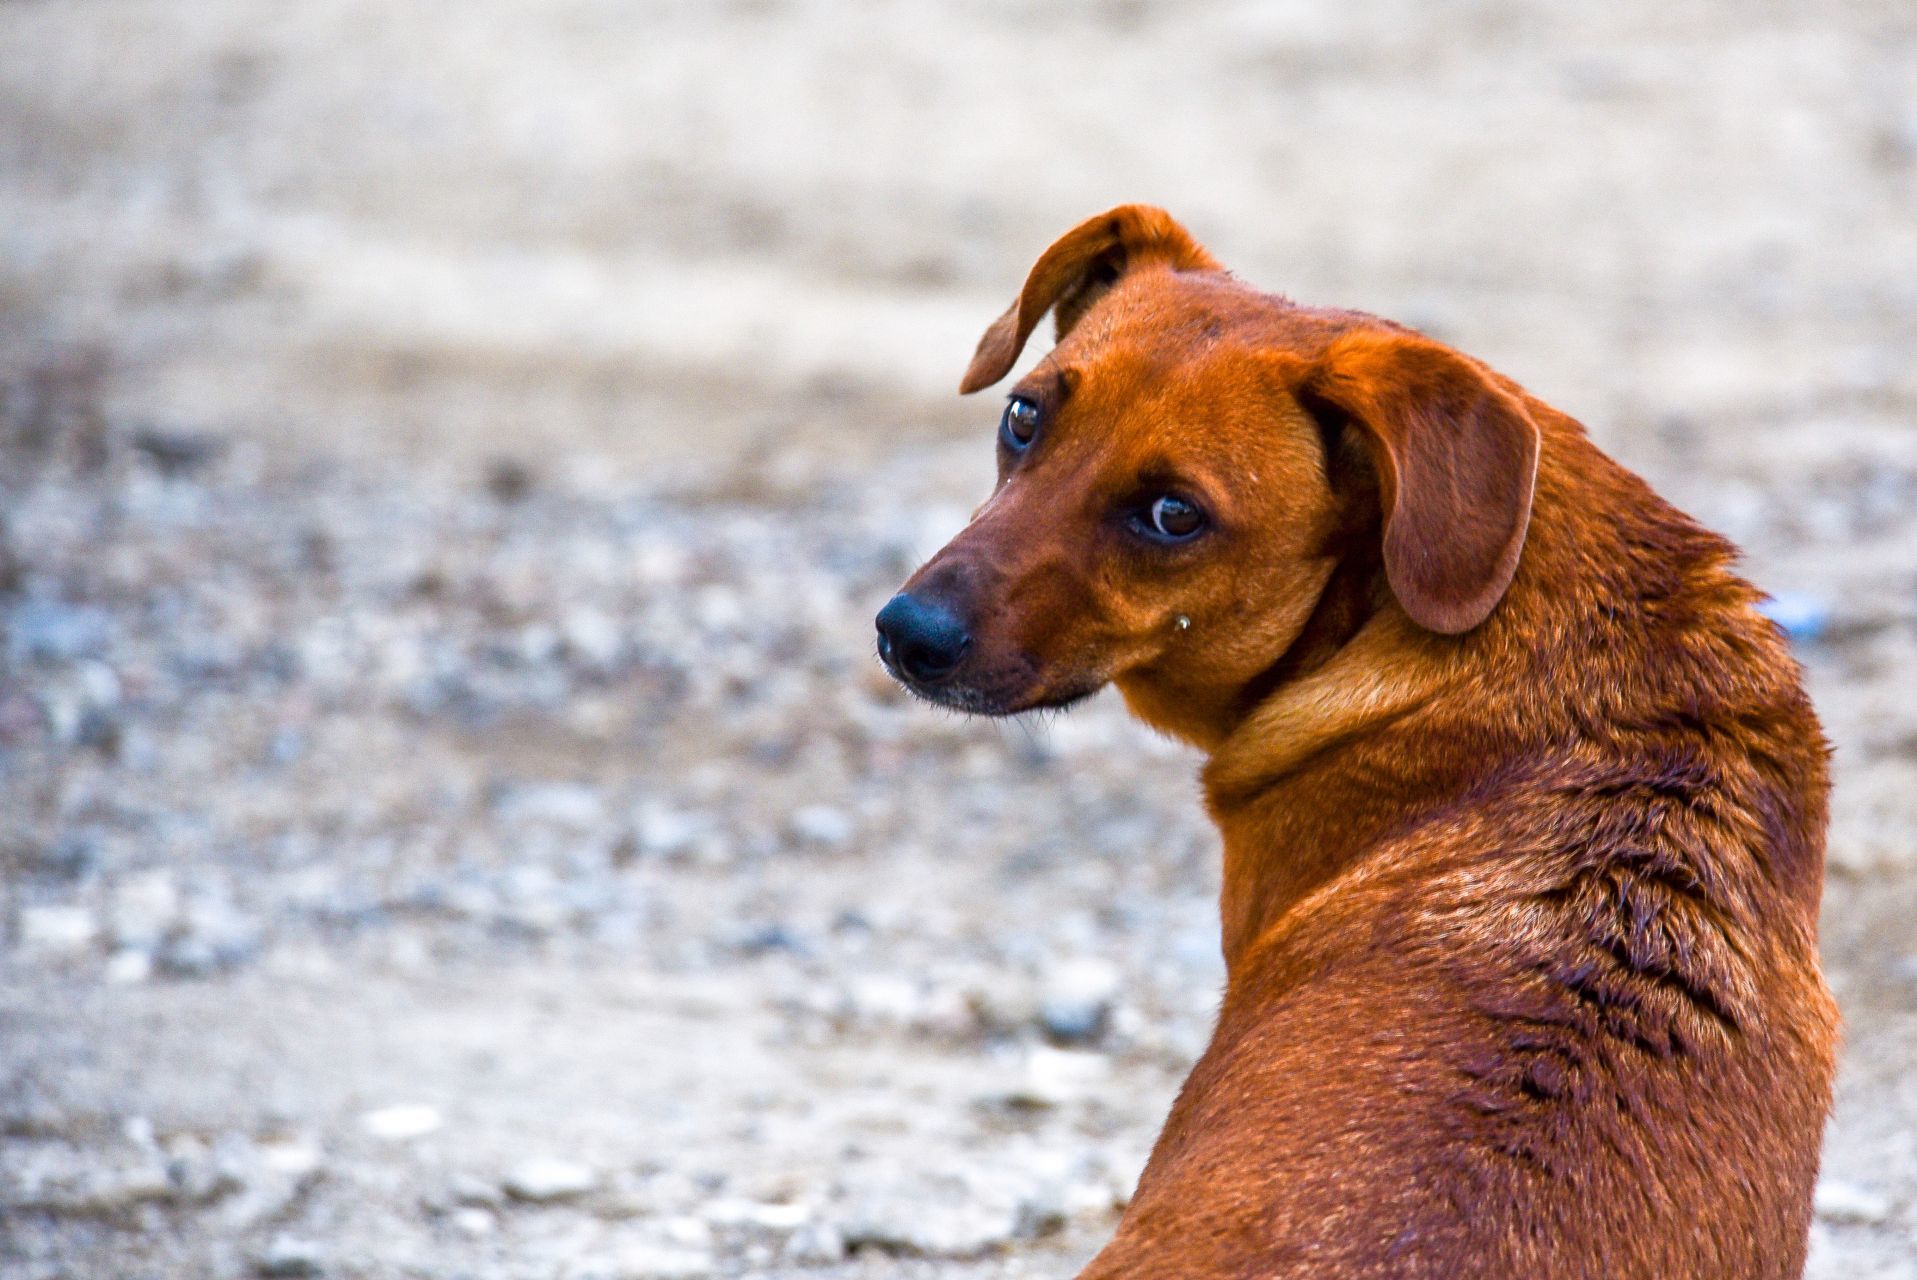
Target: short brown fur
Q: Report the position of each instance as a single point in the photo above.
(1522, 800)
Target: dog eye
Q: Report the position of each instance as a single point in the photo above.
(1019, 425)
(1174, 518)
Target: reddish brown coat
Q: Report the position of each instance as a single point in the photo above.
(1522, 800)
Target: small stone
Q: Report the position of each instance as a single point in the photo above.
(750, 1213)
(822, 824)
(547, 1180)
(112, 1193)
(287, 1256)
(1851, 1202)
(213, 936)
(81, 706)
(885, 999)
(283, 1172)
(570, 805)
(508, 479)
(178, 453)
(1076, 1003)
(718, 608)
(290, 1157)
(205, 1175)
(72, 856)
(616, 1204)
(687, 1231)
(531, 899)
(403, 1122)
(818, 1244)
(666, 832)
(1042, 1211)
(774, 935)
(1055, 1077)
(592, 637)
(56, 930)
(647, 1260)
(473, 1222)
(467, 1190)
(57, 632)
(1001, 1004)
(128, 967)
(145, 908)
(926, 1227)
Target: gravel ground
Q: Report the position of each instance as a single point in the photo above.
(501, 880)
(450, 821)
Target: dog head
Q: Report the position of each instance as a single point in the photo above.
(1199, 483)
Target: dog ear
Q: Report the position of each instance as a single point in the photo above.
(1457, 462)
(1075, 272)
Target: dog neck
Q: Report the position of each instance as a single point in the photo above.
(1397, 722)
(1310, 777)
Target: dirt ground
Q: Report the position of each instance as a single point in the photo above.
(450, 822)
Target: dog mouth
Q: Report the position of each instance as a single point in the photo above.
(1013, 689)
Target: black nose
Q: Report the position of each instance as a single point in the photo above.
(920, 639)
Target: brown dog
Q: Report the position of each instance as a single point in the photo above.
(1522, 800)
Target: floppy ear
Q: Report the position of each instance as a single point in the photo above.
(1075, 272)
(1457, 462)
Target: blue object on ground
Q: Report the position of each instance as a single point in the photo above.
(1804, 617)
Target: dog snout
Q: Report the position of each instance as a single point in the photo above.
(921, 640)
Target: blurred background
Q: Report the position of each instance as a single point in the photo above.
(450, 821)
